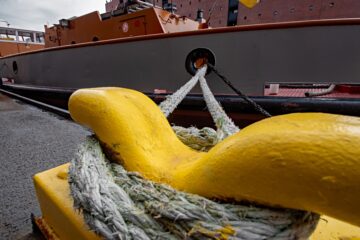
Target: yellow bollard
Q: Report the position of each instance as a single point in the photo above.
(249, 3)
(60, 220)
(305, 161)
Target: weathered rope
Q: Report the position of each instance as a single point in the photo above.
(122, 205)
(225, 126)
(118, 204)
(199, 139)
(172, 101)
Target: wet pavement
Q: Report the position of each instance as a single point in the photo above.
(31, 141)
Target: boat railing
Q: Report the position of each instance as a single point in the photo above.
(131, 7)
(21, 36)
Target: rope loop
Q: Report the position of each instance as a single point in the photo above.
(117, 204)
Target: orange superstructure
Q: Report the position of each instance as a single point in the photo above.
(224, 13)
(95, 27)
(14, 41)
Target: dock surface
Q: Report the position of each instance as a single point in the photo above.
(31, 141)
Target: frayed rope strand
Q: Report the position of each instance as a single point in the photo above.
(118, 204)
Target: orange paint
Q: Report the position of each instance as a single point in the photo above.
(8, 48)
(15, 41)
(91, 27)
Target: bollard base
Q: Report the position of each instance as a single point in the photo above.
(60, 220)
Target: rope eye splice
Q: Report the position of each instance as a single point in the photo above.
(117, 204)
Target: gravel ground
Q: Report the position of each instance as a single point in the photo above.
(31, 141)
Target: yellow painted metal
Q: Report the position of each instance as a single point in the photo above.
(332, 229)
(56, 205)
(62, 222)
(307, 161)
(249, 3)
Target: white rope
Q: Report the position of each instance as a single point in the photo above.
(118, 204)
(224, 124)
(172, 101)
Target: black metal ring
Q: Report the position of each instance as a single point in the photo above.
(196, 54)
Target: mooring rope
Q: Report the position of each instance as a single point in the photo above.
(223, 123)
(172, 101)
(256, 106)
(225, 126)
(199, 139)
(117, 204)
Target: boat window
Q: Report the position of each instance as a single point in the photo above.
(26, 36)
(40, 38)
(7, 37)
(7, 34)
(95, 39)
